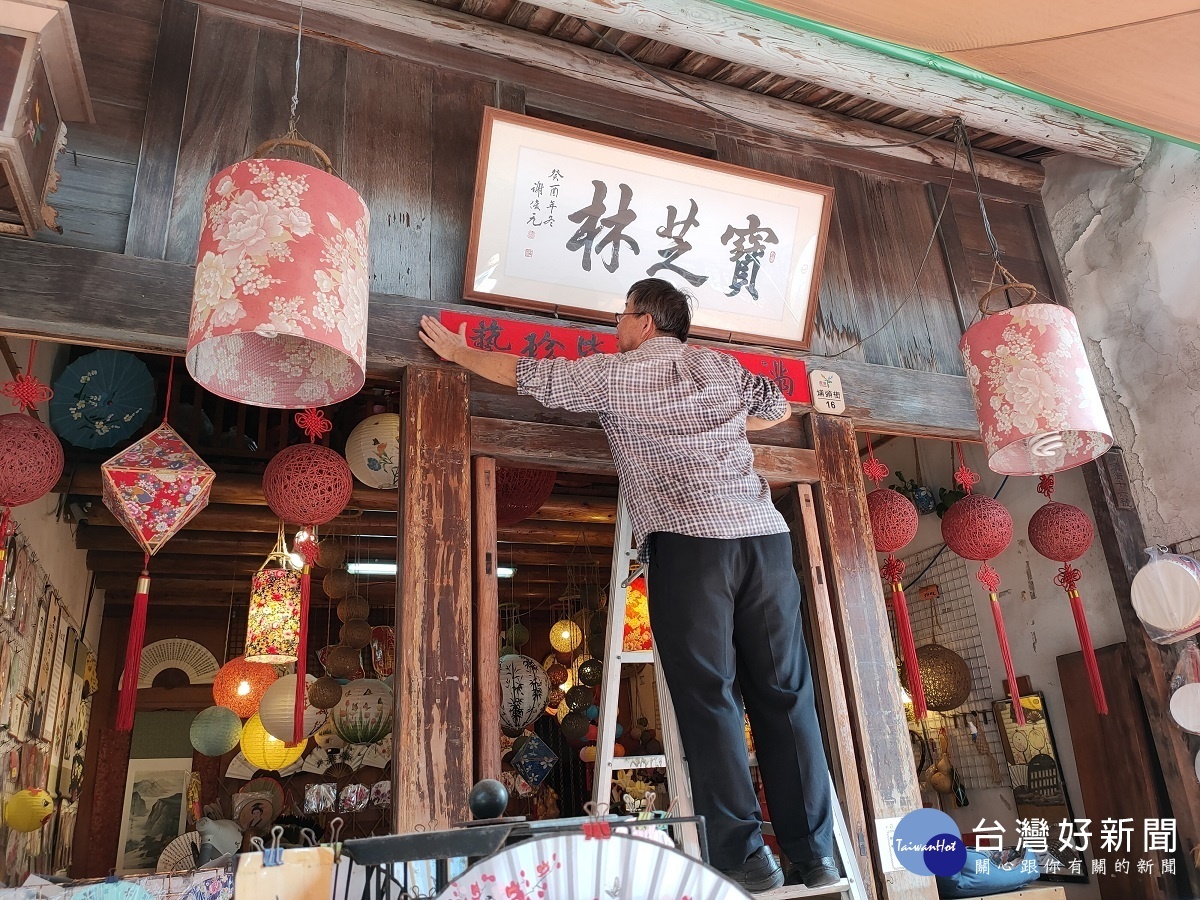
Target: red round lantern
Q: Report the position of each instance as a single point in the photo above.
(31, 459)
(521, 492)
(307, 484)
(239, 685)
(1060, 532)
(893, 519)
(977, 527)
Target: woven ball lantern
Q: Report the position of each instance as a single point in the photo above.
(239, 685)
(558, 674)
(894, 525)
(1063, 533)
(353, 607)
(1038, 405)
(344, 662)
(980, 528)
(265, 751)
(364, 714)
(946, 677)
(520, 493)
(331, 555)
(574, 725)
(277, 710)
(355, 633)
(372, 451)
(31, 459)
(557, 697)
(579, 697)
(307, 484)
(215, 731)
(565, 636)
(590, 672)
(337, 584)
(302, 231)
(324, 693)
(28, 810)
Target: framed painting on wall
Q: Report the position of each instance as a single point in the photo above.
(566, 220)
(154, 812)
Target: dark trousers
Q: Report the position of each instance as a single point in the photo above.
(726, 619)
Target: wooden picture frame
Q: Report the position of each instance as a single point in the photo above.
(565, 220)
(157, 816)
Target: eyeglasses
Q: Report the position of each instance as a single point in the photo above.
(621, 315)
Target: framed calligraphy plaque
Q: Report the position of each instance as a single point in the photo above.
(566, 220)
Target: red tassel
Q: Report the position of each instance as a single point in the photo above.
(908, 647)
(127, 705)
(1089, 653)
(1018, 710)
(302, 658)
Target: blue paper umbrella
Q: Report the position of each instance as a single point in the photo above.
(101, 399)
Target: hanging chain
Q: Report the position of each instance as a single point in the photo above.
(296, 89)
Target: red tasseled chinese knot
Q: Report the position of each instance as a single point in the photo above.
(313, 423)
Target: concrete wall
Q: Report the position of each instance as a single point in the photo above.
(1036, 613)
(1128, 241)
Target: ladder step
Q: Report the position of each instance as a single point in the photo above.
(790, 892)
(658, 761)
(628, 657)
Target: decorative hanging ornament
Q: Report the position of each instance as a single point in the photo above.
(239, 685)
(265, 751)
(1063, 533)
(364, 714)
(28, 810)
(302, 231)
(1038, 405)
(215, 731)
(308, 484)
(371, 451)
(278, 715)
(524, 689)
(980, 528)
(154, 488)
(31, 457)
(894, 525)
(521, 492)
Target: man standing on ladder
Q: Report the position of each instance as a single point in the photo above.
(724, 597)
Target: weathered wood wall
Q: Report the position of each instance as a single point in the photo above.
(405, 133)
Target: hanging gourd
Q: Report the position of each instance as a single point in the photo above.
(154, 487)
(980, 528)
(1063, 533)
(894, 525)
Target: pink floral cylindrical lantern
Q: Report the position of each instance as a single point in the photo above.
(1038, 405)
(279, 308)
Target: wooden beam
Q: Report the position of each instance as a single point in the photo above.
(717, 29)
(433, 756)
(153, 189)
(1120, 531)
(487, 619)
(212, 543)
(142, 304)
(868, 659)
(426, 33)
(240, 520)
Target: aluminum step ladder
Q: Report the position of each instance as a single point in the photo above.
(625, 568)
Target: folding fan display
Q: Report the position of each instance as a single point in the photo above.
(181, 855)
(574, 865)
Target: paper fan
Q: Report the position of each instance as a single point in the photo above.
(1166, 596)
(267, 786)
(181, 854)
(569, 866)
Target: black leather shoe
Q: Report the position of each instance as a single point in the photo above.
(761, 872)
(821, 872)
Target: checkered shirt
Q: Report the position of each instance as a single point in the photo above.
(675, 417)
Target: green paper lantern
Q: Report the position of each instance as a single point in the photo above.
(216, 731)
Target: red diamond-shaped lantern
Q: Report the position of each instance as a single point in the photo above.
(154, 488)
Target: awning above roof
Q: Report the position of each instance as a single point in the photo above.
(1135, 62)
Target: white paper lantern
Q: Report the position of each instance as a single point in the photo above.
(524, 690)
(372, 450)
(278, 709)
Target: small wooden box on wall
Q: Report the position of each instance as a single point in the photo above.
(41, 86)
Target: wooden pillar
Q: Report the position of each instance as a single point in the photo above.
(1123, 540)
(887, 775)
(487, 621)
(432, 762)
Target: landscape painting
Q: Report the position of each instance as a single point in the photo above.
(154, 811)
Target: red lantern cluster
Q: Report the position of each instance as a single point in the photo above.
(1063, 533)
(894, 525)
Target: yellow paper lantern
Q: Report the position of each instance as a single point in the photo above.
(265, 751)
(28, 810)
(565, 636)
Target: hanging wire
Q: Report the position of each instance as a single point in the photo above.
(296, 89)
